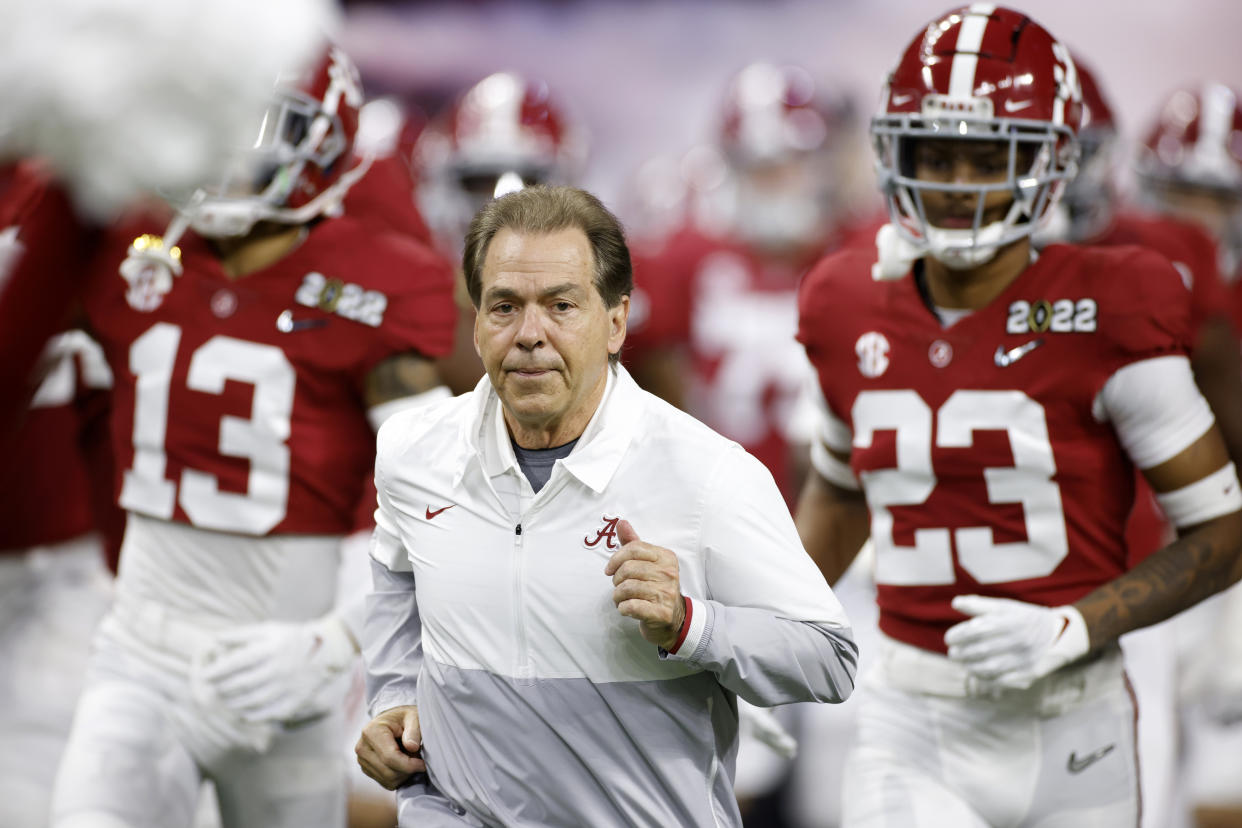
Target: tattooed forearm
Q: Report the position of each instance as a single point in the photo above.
(1183, 573)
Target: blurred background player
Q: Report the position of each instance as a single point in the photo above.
(1189, 168)
(55, 528)
(109, 98)
(1092, 212)
(254, 346)
(503, 133)
(715, 335)
(387, 131)
(984, 411)
(723, 235)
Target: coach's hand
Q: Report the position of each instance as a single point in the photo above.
(646, 587)
(388, 750)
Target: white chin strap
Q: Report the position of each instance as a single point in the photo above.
(226, 218)
(894, 254)
(965, 249)
(955, 249)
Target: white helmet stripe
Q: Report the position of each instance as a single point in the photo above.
(969, 39)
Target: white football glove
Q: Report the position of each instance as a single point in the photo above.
(277, 671)
(211, 732)
(1012, 643)
(766, 728)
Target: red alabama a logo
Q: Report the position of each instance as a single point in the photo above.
(609, 531)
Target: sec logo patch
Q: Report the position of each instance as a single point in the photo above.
(872, 349)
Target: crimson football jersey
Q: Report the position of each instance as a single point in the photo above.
(239, 403)
(44, 248)
(736, 314)
(48, 482)
(1183, 244)
(385, 194)
(985, 467)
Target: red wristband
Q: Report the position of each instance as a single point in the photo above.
(685, 625)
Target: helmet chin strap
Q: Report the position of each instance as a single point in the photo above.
(965, 249)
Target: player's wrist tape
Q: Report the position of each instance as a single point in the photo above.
(377, 414)
(1209, 497)
(832, 469)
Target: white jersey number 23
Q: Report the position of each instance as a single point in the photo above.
(1028, 482)
(261, 439)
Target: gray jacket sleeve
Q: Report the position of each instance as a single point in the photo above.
(392, 647)
(769, 627)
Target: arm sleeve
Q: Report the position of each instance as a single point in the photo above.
(1155, 408)
(770, 628)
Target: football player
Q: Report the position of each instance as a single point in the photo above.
(1091, 212)
(984, 410)
(718, 310)
(109, 99)
(254, 346)
(54, 586)
(1190, 168)
(504, 133)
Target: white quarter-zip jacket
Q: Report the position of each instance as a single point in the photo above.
(540, 704)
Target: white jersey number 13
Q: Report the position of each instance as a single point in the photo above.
(261, 439)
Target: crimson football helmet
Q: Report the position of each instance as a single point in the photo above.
(504, 133)
(302, 161)
(979, 73)
(1191, 162)
(783, 140)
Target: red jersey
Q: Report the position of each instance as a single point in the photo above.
(984, 465)
(736, 314)
(1191, 250)
(48, 482)
(386, 195)
(239, 403)
(44, 248)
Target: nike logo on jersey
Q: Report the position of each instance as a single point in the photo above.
(1006, 358)
(1014, 106)
(1076, 765)
(285, 323)
(431, 514)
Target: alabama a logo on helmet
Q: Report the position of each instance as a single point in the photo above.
(872, 350)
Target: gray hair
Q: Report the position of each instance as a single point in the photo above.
(541, 210)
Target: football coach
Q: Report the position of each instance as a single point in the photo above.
(573, 580)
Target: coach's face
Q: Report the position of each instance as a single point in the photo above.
(544, 333)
